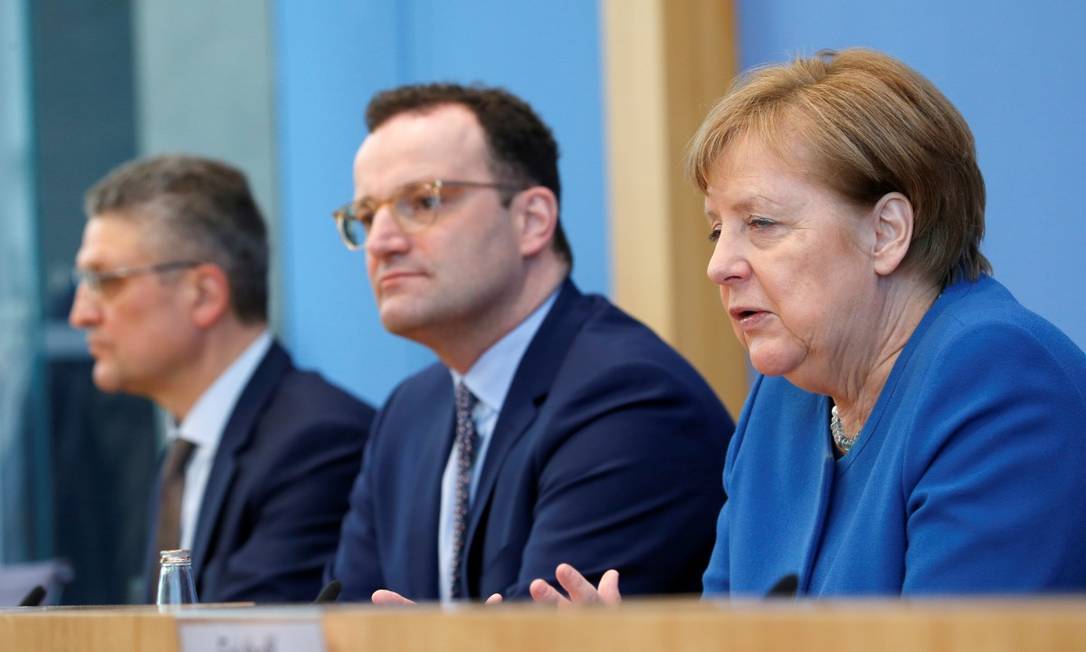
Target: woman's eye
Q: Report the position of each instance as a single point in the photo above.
(756, 222)
(714, 234)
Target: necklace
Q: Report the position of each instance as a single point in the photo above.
(843, 440)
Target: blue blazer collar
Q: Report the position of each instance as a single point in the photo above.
(531, 384)
(238, 432)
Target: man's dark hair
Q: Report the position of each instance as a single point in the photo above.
(198, 209)
(522, 148)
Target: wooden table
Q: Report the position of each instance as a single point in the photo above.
(882, 626)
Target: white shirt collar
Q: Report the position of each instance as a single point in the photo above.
(492, 374)
(205, 422)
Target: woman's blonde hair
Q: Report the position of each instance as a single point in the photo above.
(870, 125)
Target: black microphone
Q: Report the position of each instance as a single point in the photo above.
(34, 598)
(785, 587)
(329, 593)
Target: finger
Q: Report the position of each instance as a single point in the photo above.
(386, 597)
(544, 593)
(609, 588)
(494, 599)
(579, 589)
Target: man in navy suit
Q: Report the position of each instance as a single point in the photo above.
(556, 427)
(172, 293)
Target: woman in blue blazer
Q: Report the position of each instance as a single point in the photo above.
(913, 429)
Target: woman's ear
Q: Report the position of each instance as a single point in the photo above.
(536, 211)
(893, 232)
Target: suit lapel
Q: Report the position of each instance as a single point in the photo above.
(236, 435)
(535, 374)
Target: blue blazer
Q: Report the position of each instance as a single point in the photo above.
(968, 477)
(607, 453)
(270, 515)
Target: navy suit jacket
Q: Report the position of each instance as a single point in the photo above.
(278, 487)
(607, 453)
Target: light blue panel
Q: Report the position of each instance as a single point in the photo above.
(1017, 71)
(549, 54)
(331, 57)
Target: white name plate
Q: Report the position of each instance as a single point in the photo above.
(252, 636)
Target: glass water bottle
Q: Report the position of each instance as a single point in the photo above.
(175, 585)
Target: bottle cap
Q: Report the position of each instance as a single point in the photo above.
(174, 557)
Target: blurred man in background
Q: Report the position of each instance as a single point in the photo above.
(172, 293)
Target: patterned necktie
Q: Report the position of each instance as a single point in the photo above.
(466, 439)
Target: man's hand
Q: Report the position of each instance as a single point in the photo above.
(386, 597)
(579, 589)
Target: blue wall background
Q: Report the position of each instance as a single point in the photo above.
(331, 58)
(1017, 72)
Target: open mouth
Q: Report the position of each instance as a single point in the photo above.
(748, 318)
(739, 314)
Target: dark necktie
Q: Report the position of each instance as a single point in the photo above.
(171, 489)
(466, 439)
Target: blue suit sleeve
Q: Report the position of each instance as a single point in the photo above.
(630, 480)
(717, 578)
(357, 562)
(995, 488)
(295, 530)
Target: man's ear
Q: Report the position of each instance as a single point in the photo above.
(893, 232)
(536, 213)
(210, 290)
